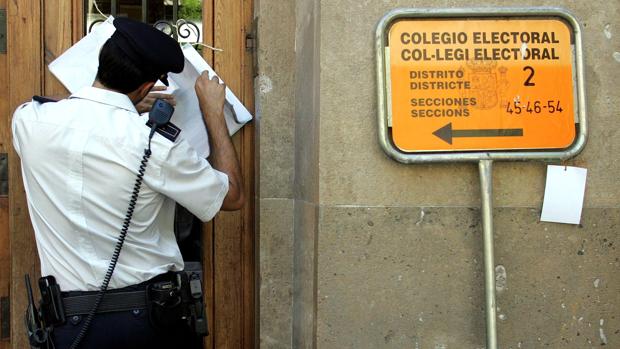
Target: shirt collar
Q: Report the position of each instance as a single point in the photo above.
(108, 97)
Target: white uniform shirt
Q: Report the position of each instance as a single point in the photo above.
(80, 158)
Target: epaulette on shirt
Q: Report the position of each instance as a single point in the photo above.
(43, 100)
(170, 131)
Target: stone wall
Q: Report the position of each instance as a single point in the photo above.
(358, 251)
(275, 118)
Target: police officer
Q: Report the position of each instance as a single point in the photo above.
(80, 157)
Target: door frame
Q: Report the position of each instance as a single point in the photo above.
(38, 31)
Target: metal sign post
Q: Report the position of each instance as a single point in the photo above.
(479, 85)
(486, 192)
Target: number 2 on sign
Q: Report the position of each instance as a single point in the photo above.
(528, 81)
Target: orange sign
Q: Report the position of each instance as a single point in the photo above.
(486, 84)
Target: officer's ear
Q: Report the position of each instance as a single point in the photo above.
(145, 88)
(138, 94)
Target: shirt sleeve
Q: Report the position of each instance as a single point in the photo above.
(192, 182)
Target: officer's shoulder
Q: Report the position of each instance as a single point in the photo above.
(30, 107)
(41, 103)
(34, 102)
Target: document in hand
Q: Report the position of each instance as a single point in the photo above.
(77, 68)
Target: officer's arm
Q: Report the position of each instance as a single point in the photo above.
(211, 95)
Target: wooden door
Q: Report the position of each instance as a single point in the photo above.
(230, 238)
(5, 147)
(38, 31)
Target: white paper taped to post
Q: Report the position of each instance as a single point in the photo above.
(564, 192)
(77, 67)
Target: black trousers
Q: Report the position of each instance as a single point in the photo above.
(120, 330)
(124, 330)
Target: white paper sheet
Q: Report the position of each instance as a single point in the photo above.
(564, 194)
(77, 68)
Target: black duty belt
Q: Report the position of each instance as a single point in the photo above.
(112, 302)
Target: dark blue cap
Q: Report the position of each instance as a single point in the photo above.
(148, 47)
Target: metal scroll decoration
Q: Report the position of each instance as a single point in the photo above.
(183, 29)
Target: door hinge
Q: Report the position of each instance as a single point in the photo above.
(4, 174)
(250, 42)
(5, 318)
(3, 30)
(251, 45)
(250, 37)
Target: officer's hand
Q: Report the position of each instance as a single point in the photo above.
(211, 95)
(146, 104)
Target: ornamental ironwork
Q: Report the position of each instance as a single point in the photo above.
(181, 29)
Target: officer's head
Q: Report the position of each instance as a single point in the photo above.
(136, 56)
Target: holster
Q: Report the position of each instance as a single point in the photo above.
(165, 302)
(40, 322)
(177, 301)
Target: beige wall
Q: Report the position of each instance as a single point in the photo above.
(288, 106)
(358, 251)
(275, 105)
